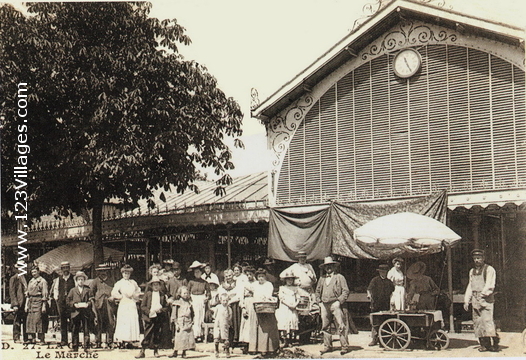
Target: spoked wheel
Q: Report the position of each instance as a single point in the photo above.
(438, 340)
(394, 334)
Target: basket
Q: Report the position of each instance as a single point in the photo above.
(303, 306)
(265, 307)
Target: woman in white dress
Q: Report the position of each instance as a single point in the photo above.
(127, 292)
(398, 278)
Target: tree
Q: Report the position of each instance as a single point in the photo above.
(114, 111)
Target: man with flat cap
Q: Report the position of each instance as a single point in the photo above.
(332, 293)
(480, 293)
(61, 291)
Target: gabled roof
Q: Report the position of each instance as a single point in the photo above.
(383, 20)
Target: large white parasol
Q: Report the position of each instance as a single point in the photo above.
(405, 228)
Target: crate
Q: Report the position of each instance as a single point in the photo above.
(265, 307)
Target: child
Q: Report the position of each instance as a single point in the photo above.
(223, 325)
(79, 301)
(183, 317)
(286, 314)
(153, 309)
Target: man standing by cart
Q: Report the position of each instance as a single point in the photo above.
(379, 292)
(332, 293)
(480, 292)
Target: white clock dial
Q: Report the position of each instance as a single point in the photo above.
(407, 63)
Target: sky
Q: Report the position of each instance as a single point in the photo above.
(259, 44)
(262, 44)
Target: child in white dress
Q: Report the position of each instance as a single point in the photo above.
(286, 314)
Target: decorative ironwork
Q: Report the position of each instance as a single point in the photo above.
(283, 127)
(408, 34)
(254, 99)
(371, 9)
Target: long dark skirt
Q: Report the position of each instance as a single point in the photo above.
(236, 320)
(264, 335)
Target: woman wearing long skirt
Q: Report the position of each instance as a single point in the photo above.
(264, 336)
(398, 278)
(37, 294)
(200, 294)
(127, 292)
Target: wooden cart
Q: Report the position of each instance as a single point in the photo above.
(397, 329)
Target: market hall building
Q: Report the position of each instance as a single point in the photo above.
(415, 101)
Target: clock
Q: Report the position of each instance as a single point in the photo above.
(407, 63)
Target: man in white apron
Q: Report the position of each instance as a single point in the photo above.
(480, 293)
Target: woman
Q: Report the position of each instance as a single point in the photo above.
(209, 276)
(37, 294)
(234, 292)
(239, 274)
(247, 304)
(127, 292)
(398, 278)
(200, 293)
(264, 336)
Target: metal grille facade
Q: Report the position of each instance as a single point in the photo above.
(460, 124)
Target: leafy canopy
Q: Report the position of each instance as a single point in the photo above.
(113, 108)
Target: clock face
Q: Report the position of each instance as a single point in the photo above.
(406, 63)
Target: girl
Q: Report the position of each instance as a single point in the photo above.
(286, 314)
(183, 317)
(235, 294)
(398, 278)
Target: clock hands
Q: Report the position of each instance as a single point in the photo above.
(407, 64)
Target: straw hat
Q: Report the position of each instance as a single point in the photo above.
(328, 261)
(103, 266)
(302, 254)
(196, 265)
(154, 279)
(64, 264)
(268, 261)
(80, 274)
(288, 275)
(415, 270)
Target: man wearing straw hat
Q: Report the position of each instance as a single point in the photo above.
(61, 291)
(480, 293)
(332, 292)
(79, 301)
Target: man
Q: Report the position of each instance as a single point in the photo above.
(304, 273)
(175, 282)
(480, 292)
(101, 288)
(61, 291)
(79, 301)
(167, 273)
(306, 281)
(332, 293)
(17, 294)
(379, 293)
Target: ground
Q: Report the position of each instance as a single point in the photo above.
(461, 345)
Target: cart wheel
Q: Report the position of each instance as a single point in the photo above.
(438, 340)
(394, 334)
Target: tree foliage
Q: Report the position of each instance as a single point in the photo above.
(114, 111)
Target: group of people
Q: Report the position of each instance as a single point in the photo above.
(387, 291)
(171, 310)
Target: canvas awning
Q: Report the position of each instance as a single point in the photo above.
(78, 253)
(330, 228)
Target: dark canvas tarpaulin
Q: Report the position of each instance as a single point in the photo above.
(330, 229)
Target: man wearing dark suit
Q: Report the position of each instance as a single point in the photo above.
(65, 284)
(17, 293)
(332, 292)
(79, 302)
(101, 288)
(154, 311)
